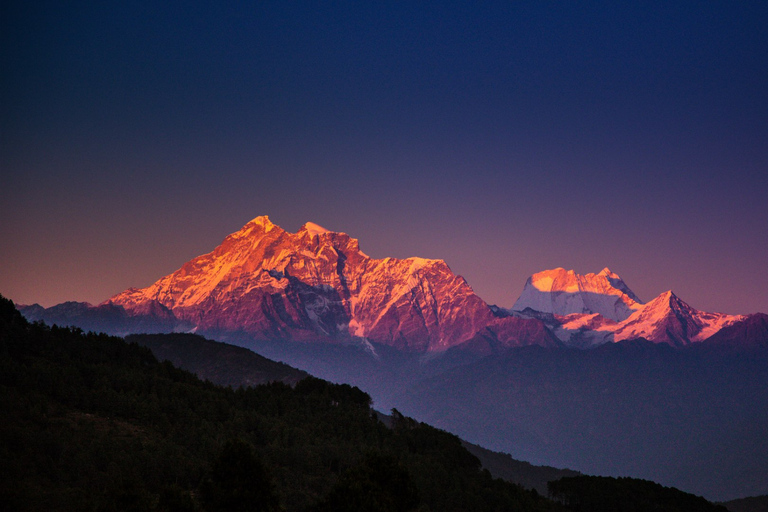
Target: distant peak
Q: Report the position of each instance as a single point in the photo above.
(314, 229)
(564, 292)
(543, 280)
(546, 277)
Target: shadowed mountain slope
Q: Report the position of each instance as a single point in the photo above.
(220, 363)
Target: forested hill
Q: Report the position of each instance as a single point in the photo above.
(91, 422)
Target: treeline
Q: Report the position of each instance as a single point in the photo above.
(93, 423)
(607, 494)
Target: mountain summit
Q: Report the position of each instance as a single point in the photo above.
(317, 284)
(563, 292)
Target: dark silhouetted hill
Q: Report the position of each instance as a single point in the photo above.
(751, 504)
(220, 363)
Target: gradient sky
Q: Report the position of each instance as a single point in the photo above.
(505, 138)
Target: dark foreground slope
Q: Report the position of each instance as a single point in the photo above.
(608, 494)
(94, 423)
(751, 504)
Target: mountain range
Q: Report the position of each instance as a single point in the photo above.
(316, 285)
(579, 373)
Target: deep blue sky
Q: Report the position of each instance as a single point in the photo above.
(504, 138)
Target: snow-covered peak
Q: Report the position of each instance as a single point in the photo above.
(545, 281)
(666, 300)
(314, 229)
(263, 222)
(666, 304)
(419, 263)
(563, 292)
(659, 307)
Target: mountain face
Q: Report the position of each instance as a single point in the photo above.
(267, 283)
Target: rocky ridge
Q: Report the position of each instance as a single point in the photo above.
(265, 282)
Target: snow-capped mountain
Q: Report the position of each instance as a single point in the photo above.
(265, 282)
(589, 310)
(563, 292)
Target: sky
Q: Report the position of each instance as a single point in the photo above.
(503, 137)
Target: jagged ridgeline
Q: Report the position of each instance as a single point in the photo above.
(94, 423)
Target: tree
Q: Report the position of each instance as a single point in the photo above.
(378, 484)
(238, 482)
